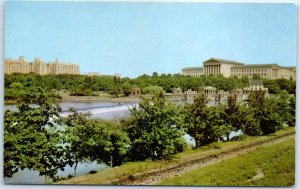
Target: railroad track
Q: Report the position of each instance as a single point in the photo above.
(156, 177)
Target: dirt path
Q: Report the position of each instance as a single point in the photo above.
(156, 177)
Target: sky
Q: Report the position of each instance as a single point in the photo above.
(141, 38)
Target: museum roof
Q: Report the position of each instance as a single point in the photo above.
(193, 68)
(223, 61)
(255, 65)
(263, 65)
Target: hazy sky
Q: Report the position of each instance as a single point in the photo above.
(137, 38)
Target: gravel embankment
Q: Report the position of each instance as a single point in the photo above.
(156, 177)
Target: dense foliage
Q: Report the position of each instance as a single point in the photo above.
(17, 85)
(31, 139)
(154, 130)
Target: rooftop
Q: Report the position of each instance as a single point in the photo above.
(223, 61)
(193, 68)
(255, 65)
(263, 65)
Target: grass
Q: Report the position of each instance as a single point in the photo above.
(111, 175)
(275, 164)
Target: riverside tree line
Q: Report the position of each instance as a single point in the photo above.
(17, 85)
(37, 138)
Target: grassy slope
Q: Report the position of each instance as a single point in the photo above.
(108, 176)
(277, 162)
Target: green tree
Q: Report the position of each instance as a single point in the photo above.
(200, 121)
(126, 88)
(292, 111)
(265, 111)
(90, 140)
(249, 125)
(120, 144)
(271, 120)
(231, 116)
(31, 139)
(115, 90)
(153, 90)
(154, 74)
(283, 106)
(256, 76)
(76, 137)
(154, 129)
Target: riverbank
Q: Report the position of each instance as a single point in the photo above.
(102, 97)
(99, 99)
(132, 171)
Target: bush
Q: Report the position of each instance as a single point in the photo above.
(215, 145)
(238, 138)
(70, 176)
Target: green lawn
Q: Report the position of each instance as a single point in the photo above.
(274, 164)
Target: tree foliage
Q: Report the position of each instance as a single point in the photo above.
(154, 129)
(83, 85)
(202, 122)
(31, 139)
(231, 116)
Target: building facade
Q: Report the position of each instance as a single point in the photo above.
(193, 71)
(39, 67)
(214, 96)
(229, 68)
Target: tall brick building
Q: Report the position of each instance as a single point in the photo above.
(39, 67)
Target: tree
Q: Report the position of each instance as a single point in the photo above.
(292, 111)
(120, 144)
(76, 137)
(271, 120)
(115, 90)
(126, 88)
(154, 129)
(256, 76)
(231, 116)
(154, 74)
(153, 90)
(249, 125)
(200, 122)
(265, 111)
(283, 106)
(31, 140)
(86, 139)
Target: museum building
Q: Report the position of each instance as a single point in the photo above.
(229, 68)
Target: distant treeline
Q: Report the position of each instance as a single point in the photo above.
(154, 130)
(17, 85)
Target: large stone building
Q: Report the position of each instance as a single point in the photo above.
(214, 96)
(229, 68)
(193, 71)
(39, 67)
